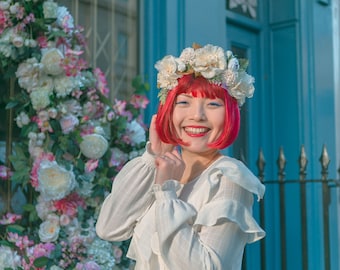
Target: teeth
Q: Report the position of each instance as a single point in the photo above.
(196, 130)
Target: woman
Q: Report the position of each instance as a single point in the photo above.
(188, 208)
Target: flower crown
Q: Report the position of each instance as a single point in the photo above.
(211, 62)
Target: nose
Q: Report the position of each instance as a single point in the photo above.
(198, 112)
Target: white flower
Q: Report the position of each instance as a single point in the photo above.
(209, 61)
(4, 5)
(40, 99)
(93, 146)
(63, 85)
(50, 9)
(242, 87)
(18, 41)
(51, 61)
(135, 132)
(22, 119)
(55, 182)
(9, 259)
(28, 74)
(49, 230)
(64, 19)
(167, 76)
(188, 56)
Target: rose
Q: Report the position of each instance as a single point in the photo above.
(68, 123)
(50, 9)
(8, 259)
(49, 231)
(40, 99)
(93, 146)
(55, 182)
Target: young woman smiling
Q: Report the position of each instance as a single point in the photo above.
(185, 205)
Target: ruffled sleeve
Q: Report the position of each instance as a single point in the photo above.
(230, 188)
(129, 198)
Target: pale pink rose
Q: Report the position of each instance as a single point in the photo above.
(68, 123)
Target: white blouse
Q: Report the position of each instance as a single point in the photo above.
(204, 224)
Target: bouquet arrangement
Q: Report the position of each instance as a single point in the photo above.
(72, 142)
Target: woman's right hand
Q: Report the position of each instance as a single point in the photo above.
(157, 146)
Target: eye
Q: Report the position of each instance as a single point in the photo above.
(215, 103)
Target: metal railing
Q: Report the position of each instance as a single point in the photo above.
(302, 183)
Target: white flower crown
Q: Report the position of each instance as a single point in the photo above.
(211, 62)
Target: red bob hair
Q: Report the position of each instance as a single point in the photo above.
(198, 87)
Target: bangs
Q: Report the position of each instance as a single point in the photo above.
(202, 88)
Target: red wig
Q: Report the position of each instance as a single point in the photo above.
(198, 87)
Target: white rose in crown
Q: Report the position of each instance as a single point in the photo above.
(55, 182)
(93, 146)
(51, 61)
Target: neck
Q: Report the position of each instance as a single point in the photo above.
(196, 163)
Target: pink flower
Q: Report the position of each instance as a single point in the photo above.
(69, 205)
(5, 172)
(101, 82)
(9, 218)
(139, 101)
(36, 166)
(88, 266)
(68, 123)
(91, 165)
(21, 242)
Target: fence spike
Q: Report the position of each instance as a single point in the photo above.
(281, 163)
(324, 160)
(303, 161)
(261, 162)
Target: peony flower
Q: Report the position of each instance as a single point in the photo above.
(55, 182)
(49, 230)
(93, 146)
(51, 61)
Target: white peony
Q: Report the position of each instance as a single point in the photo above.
(93, 146)
(55, 182)
(51, 61)
(210, 61)
(242, 87)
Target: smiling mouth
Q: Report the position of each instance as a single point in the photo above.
(196, 131)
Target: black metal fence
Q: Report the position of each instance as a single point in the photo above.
(302, 182)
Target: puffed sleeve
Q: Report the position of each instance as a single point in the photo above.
(130, 196)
